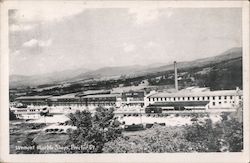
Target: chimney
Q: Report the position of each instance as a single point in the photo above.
(175, 76)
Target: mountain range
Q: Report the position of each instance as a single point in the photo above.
(116, 72)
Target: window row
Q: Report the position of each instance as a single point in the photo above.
(193, 98)
(30, 110)
(224, 102)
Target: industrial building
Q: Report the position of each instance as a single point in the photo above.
(30, 107)
(29, 112)
(106, 100)
(155, 102)
(71, 100)
(193, 99)
(135, 99)
(207, 100)
(33, 100)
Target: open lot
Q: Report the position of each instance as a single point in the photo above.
(169, 120)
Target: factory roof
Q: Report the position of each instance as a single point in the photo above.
(128, 88)
(101, 96)
(195, 94)
(195, 89)
(179, 103)
(66, 96)
(32, 97)
(92, 92)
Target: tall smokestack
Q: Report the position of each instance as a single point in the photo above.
(175, 76)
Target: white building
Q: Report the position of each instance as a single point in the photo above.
(28, 112)
(222, 99)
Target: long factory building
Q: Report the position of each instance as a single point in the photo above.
(194, 99)
(30, 106)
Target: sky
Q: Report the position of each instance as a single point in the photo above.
(45, 40)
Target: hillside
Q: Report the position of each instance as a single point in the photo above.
(228, 55)
(128, 71)
(44, 79)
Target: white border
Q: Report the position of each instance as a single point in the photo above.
(169, 157)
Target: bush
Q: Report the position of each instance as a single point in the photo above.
(203, 137)
(12, 116)
(92, 131)
(207, 137)
(233, 135)
(158, 139)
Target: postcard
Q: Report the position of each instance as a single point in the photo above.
(125, 81)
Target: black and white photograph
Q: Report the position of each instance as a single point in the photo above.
(138, 79)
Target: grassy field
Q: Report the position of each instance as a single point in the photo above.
(19, 130)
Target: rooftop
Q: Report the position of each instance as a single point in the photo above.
(129, 88)
(180, 103)
(101, 96)
(195, 94)
(66, 96)
(32, 97)
(195, 89)
(91, 92)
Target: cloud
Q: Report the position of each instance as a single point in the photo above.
(144, 15)
(30, 43)
(83, 39)
(34, 42)
(128, 47)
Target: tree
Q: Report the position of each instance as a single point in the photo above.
(158, 139)
(233, 135)
(12, 116)
(226, 135)
(203, 137)
(226, 75)
(92, 131)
